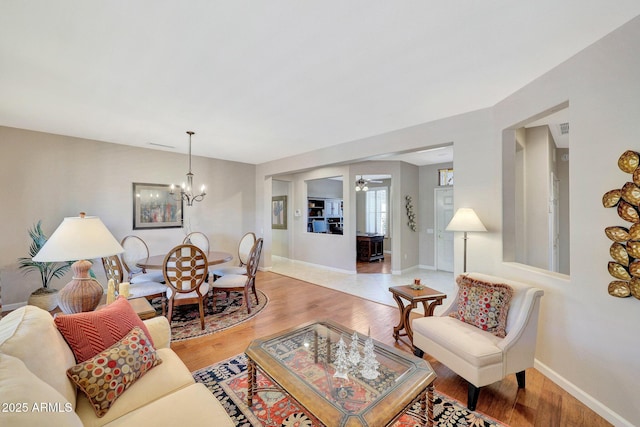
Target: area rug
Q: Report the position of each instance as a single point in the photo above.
(227, 381)
(185, 322)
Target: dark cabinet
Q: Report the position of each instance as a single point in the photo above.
(370, 248)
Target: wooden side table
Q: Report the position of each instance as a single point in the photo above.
(143, 308)
(430, 298)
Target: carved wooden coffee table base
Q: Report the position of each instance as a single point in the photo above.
(300, 362)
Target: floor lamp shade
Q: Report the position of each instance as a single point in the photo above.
(465, 219)
(79, 238)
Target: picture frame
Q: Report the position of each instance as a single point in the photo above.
(279, 212)
(155, 207)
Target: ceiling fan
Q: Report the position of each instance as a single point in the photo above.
(362, 183)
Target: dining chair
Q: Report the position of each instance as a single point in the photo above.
(135, 249)
(244, 248)
(149, 290)
(198, 239)
(185, 271)
(241, 282)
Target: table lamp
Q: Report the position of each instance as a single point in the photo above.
(79, 238)
(465, 219)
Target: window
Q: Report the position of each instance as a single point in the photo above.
(445, 176)
(377, 210)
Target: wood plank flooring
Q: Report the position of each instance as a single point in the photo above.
(293, 302)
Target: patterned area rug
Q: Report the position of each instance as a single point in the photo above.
(185, 323)
(227, 381)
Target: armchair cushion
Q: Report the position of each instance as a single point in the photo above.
(92, 332)
(106, 376)
(482, 304)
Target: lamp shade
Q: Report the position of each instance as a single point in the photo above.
(465, 219)
(78, 238)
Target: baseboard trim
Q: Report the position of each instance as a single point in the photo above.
(14, 306)
(310, 264)
(597, 406)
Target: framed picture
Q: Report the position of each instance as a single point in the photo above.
(155, 207)
(279, 212)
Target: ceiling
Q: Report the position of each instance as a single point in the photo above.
(262, 80)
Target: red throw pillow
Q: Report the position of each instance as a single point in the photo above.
(91, 332)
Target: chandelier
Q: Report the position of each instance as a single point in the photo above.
(361, 184)
(186, 191)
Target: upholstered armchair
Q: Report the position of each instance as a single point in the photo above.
(479, 356)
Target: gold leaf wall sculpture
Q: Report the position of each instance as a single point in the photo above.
(625, 250)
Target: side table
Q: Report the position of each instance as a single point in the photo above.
(430, 298)
(143, 308)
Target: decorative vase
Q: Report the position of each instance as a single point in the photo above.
(44, 298)
(83, 293)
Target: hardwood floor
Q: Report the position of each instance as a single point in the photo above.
(293, 302)
(381, 266)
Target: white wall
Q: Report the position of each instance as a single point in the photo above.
(50, 177)
(330, 250)
(280, 243)
(537, 178)
(586, 337)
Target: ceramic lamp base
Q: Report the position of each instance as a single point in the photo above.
(83, 293)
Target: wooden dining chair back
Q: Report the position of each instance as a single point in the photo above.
(185, 271)
(135, 249)
(244, 250)
(245, 283)
(149, 290)
(113, 269)
(198, 239)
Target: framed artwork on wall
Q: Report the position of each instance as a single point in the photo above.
(155, 207)
(279, 212)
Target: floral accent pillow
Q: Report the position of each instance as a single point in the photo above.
(107, 375)
(483, 305)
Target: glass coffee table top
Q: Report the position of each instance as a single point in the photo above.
(302, 361)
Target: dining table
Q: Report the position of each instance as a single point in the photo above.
(155, 262)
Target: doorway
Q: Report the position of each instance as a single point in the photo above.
(373, 218)
(444, 239)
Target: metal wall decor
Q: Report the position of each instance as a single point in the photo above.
(410, 214)
(625, 249)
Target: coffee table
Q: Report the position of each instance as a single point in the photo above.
(300, 361)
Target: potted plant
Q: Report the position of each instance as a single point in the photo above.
(45, 297)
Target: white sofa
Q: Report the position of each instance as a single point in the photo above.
(35, 390)
(478, 356)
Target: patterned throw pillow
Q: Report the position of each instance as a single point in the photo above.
(91, 332)
(108, 374)
(483, 305)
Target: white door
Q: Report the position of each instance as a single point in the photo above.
(444, 239)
